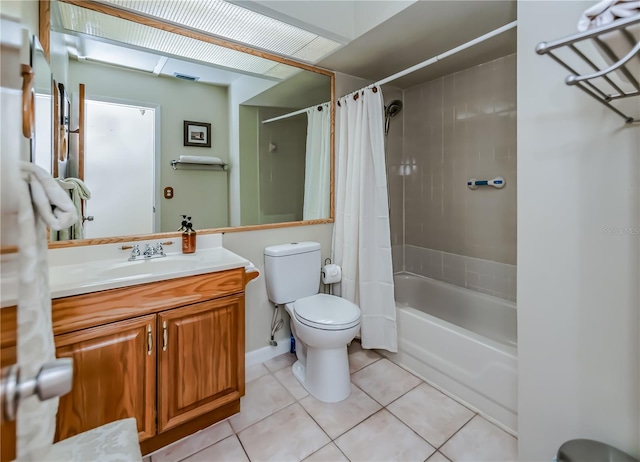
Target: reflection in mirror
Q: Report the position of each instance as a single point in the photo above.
(43, 142)
(138, 97)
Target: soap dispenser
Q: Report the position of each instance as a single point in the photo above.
(183, 226)
(188, 237)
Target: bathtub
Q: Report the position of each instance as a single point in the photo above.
(461, 341)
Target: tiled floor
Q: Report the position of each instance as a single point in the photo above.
(391, 415)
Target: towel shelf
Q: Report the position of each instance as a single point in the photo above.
(602, 82)
(198, 166)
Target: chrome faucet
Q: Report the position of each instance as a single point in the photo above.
(149, 251)
(135, 252)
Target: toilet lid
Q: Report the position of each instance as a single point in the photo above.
(327, 312)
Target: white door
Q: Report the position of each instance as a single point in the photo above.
(119, 169)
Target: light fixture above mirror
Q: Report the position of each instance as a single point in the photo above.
(227, 21)
(281, 86)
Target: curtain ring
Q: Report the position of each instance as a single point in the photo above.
(339, 104)
(356, 96)
(319, 108)
(375, 90)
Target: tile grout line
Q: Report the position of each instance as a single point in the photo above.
(367, 365)
(437, 388)
(457, 431)
(207, 447)
(262, 418)
(242, 446)
(298, 401)
(333, 440)
(415, 432)
(385, 407)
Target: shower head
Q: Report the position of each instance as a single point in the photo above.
(393, 108)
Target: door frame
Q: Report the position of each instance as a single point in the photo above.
(157, 168)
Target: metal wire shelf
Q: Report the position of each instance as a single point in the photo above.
(606, 76)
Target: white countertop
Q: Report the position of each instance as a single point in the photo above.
(82, 278)
(86, 269)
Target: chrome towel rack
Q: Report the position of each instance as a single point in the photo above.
(176, 164)
(598, 81)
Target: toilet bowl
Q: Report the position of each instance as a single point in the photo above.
(322, 324)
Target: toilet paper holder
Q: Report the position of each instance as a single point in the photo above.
(331, 273)
(327, 261)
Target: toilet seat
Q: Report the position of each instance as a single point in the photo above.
(326, 312)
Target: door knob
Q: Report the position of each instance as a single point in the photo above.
(53, 379)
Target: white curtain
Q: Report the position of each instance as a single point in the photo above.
(317, 173)
(361, 235)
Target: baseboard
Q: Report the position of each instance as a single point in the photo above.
(265, 354)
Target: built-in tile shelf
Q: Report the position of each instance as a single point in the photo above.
(488, 277)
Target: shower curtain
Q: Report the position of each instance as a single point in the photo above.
(361, 234)
(317, 173)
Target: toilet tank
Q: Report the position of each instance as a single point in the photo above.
(292, 271)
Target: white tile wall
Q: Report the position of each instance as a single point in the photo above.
(488, 277)
(459, 126)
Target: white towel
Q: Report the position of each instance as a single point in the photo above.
(78, 186)
(41, 201)
(79, 193)
(51, 202)
(606, 12)
(208, 160)
(603, 13)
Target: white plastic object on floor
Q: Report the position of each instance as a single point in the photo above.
(112, 442)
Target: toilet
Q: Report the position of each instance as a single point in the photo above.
(322, 325)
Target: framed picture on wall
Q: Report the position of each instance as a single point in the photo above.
(197, 134)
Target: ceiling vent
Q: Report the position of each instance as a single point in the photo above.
(191, 78)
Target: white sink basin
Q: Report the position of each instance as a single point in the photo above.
(93, 276)
(169, 264)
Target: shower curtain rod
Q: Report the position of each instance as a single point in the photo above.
(421, 65)
(291, 114)
(446, 54)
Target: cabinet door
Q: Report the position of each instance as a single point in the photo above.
(8, 357)
(201, 359)
(114, 376)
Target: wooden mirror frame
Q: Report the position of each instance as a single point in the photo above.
(45, 30)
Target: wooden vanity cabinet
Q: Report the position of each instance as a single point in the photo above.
(114, 377)
(169, 353)
(199, 360)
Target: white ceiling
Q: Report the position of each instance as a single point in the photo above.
(423, 30)
(343, 20)
(302, 90)
(376, 48)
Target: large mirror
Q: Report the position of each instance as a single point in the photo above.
(159, 128)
